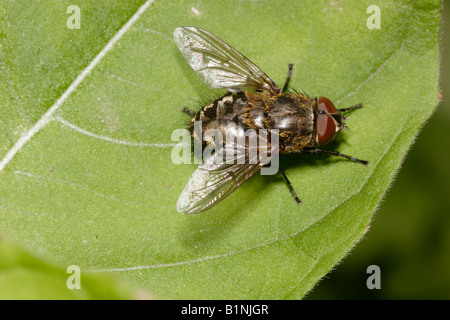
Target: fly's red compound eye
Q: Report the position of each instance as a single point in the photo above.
(326, 128)
(325, 105)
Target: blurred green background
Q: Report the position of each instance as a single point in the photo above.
(410, 235)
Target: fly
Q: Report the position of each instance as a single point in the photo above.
(254, 101)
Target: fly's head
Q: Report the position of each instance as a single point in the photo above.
(329, 121)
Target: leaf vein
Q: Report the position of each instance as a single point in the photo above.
(48, 115)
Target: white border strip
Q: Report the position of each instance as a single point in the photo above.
(49, 114)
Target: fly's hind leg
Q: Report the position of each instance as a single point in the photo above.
(188, 111)
(288, 77)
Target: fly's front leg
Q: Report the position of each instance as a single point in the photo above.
(335, 153)
(356, 106)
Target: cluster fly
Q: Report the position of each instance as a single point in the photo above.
(254, 101)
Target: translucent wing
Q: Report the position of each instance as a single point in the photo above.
(218, 64)
(212, 182)
(216, 179)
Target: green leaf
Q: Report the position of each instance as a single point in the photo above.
(24, 276)
(95, 186)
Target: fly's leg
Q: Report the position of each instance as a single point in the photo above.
(335, 153)
(188, 111)
(290, 187)
(344, 110)
(356, 106)
(288, 77)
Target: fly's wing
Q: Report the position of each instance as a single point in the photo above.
(216, 179)
(212, 182)
(218, 64)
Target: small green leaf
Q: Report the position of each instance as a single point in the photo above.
(95, 186)
(23, 276)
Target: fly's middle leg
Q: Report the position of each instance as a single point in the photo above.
(288, 77)
(291, 188)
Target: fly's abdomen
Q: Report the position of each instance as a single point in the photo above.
(226, 115)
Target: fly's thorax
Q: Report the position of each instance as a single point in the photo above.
(291, 114)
